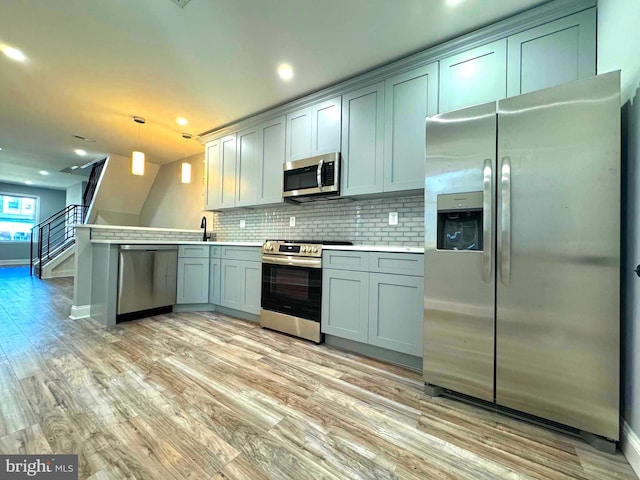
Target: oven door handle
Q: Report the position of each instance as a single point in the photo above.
(292, 261)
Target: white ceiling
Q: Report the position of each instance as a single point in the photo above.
(93, 64)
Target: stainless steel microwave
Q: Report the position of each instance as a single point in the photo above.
(304, 180)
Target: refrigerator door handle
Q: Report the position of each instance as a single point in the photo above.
(487, 194)
(505, 222)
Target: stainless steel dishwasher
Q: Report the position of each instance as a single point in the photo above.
(146, 280)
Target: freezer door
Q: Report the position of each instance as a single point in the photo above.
(558, 292)
(459, 284)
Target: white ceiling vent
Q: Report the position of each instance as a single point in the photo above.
(181, 3)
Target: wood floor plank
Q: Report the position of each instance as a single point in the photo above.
(29, 441)
(204, 395)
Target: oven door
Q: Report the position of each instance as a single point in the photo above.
(294, 290)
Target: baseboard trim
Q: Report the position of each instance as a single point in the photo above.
(17, 261)
(80, 311)
(630, 446)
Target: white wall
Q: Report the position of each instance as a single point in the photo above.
(121, 195)
(172, 204)
(74, 193)
(618, 48)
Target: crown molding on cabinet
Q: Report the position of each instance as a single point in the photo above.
(502, 29)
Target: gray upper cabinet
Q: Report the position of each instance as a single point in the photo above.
(248, 153)
(476, 76)
(220, 175)
(314, 130)
(553, 53)
(326, 118)
(409, 98)
(212, 175)
(228, 171)
(363, 140)
(299, 134)
(271, 160)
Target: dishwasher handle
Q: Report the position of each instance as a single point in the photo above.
(148, 248)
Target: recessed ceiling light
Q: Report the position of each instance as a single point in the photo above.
(285, 71)
(29, 182)
(453, 3)
(43, 172)
(80, 152)
(181, 121)
(14, 54)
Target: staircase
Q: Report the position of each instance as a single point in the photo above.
(51, 238)
(56, 235)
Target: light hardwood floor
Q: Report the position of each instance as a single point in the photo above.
(204, 396)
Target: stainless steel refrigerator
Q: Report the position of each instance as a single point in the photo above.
(522, 253)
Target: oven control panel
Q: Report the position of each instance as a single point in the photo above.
(281, 247)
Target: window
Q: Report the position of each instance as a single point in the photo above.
(17, 217)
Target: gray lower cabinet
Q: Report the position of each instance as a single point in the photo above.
(369, 306)
(554, 53)
(345, 304)
(476, 76)
(214, 281)
(193, 280)
(395, 316)
(240, 285)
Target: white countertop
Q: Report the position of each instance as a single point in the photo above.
(375, 248)
(125, 227)
(359, 248)
(174, 242)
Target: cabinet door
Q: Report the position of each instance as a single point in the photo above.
(326, 119)
(248, 154)
(395, 319)
(363, 140)
(554, 53)
(299, 134)
(228, 171)
(214, 281)
(345, 304)
(230, 292)
(473, 77)
(251, 278)
(212, 176)
(409, 98)
(193, 280)
(270, 181)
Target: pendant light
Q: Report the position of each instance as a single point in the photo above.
(185, 176)
(137, 157)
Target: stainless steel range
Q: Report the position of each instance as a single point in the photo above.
(292, 286)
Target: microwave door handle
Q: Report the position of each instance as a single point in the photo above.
(319, 174)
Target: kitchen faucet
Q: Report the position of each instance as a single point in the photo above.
(203, 224)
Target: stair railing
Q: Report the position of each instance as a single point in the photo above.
(54, 235)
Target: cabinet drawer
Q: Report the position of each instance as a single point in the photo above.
(215, 252)
(398, 263)
(346, 260)
(193, 251)
(252, 254)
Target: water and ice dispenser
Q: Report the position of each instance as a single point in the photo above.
(460, 221)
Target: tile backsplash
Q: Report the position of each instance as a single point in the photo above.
(364, 222)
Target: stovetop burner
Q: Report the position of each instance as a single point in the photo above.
(315, 242)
